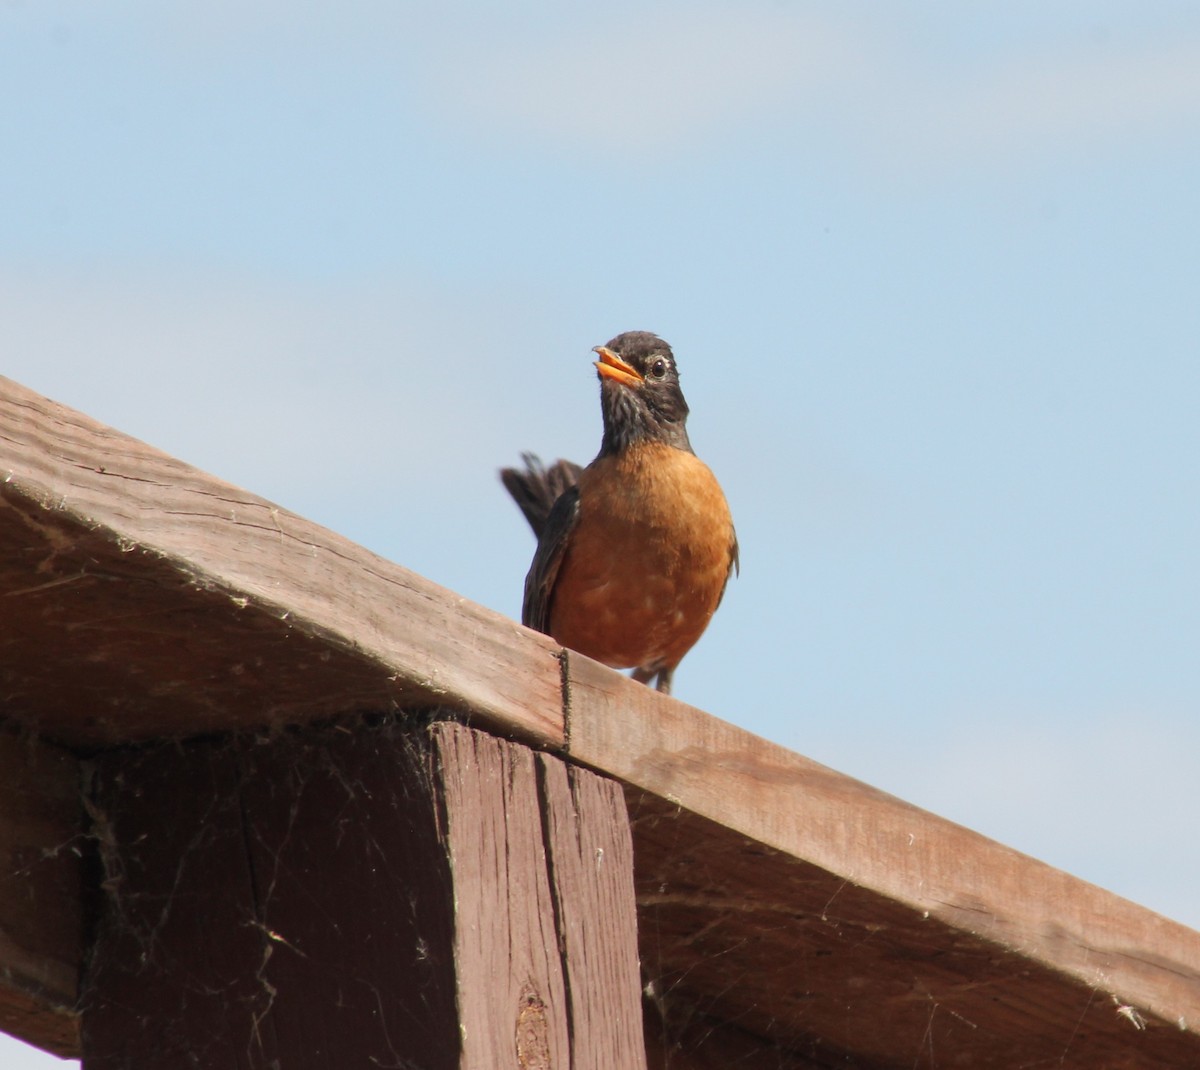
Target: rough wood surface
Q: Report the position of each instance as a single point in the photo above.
(586, 829)
(799, 903)
(777, 899)
(115, 558)
(41, 932)
(681, 1037)
(543, 881)
(377, 897)
(178, 966)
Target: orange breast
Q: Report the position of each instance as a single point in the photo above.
(647, 561)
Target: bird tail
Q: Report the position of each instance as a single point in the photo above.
(537, 488)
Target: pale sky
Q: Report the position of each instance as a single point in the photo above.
(930, 272)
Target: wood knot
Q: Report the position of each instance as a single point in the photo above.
(533, 1031)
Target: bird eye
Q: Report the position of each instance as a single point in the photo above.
(658, 369)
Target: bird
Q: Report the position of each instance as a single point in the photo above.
(634, 551)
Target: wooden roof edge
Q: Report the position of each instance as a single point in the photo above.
(66, 474)
(873, 840)
(107, 505)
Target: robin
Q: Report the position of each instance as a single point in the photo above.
(634, 551)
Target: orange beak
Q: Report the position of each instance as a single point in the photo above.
(610, 366)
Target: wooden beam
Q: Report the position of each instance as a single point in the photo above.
(841, 922)
(41, 930)
(681, 1037)
(377, 897)
(117, 557)
(775, 896)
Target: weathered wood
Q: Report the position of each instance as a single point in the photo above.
(41, 847)
(679, 1037)
(184, 963)
(114, 558)
(543, 870)
(375, 896)
(590, 849)
(777, 899)
(506, 944)
(826, 915)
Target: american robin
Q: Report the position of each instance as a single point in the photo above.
(634, 551)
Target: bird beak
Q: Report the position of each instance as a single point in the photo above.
(610, 366)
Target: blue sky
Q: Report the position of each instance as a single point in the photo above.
(930, 271)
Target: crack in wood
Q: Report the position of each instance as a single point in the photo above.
(564, 670)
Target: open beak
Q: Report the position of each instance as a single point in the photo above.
(610, 366)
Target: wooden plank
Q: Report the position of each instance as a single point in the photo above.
(366, 896)
(586, 830)
(41, 846)
(117, 557)
(355, 894)
(777, 899)
(543, 871)
(825, 915)
(175, 965)
(680, 1037)
(506, 946)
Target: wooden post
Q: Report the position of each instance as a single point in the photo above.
(41, 844)
(372, 895)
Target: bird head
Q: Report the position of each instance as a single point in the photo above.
(640, 397)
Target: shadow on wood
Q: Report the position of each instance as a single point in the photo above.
(386, 896)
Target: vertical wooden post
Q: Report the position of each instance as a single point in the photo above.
(382, 896)
(41, 843)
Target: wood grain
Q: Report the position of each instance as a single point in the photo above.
(41, 921)
(115, 558)
(776, 899)
(586, 830)
(175, 963)
(781, 895)
(387, 896)
(506, 946)
(546, 946)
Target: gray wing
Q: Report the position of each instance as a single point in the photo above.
(552, 545)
